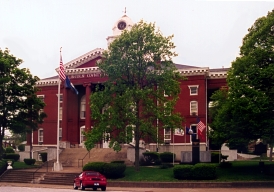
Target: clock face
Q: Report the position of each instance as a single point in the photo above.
(121, 25)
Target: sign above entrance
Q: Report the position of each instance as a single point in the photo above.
(88, 75)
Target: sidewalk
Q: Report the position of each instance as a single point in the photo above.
(130, 189)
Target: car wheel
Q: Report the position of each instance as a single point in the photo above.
(82, 187)
(103, 188)
(74, 186)
(94, 189)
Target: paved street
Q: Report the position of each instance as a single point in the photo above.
(20, 187)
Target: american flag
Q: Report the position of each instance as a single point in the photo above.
(62, 74)
(200, 125)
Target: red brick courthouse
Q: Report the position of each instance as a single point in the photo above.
(75, 113)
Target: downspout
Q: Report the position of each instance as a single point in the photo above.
(206, 114)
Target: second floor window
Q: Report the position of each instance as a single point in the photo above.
(193, 89)
(40, 135)
(193, 108)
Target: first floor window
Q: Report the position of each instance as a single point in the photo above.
(60, 134)
(83, 108)
(167, 135)
(194, 135)
(60, 113)
(193, 108)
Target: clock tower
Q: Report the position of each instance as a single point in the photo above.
(124, 23)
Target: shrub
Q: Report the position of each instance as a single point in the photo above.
(203, 171)
(182, 171)
(95, 166)
(151, 158)
(30, 161)
(215, 157)
(44, 156)
(13, 156)
(9, 150)
(118, 162)
(225, 164)
(167, 157)
(114, 170)
(21, 147)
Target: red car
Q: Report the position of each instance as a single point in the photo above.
(90, 179)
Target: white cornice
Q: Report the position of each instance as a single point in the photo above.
(48, 82)
(92, 70)
(217, 75)
(82, 70)
(193, 71)
(83, 59)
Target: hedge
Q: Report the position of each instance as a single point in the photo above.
(167, 157)
(114, 170)
(9, 150)
(203, 171)
(95, 166)
(151, 158)
(13, 156)
(182, 171)
(110, 170)
(30, 161)
(21, 147)
(200, 171)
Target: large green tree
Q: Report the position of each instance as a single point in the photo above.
(132, 103)
(20, 108)
(247, 110)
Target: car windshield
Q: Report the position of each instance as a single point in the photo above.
(92, 174)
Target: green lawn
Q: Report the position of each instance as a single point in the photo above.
(23, 165)
(240, 171)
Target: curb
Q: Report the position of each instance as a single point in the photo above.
(253, 184)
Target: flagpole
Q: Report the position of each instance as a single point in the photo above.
(57, 165)
(58, 121)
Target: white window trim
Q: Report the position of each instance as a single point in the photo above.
(61, 96)
(196, 133)
(193, 111)
(40, 138)
(193, 86)
(83, 102)
(167, 140)
(60, 133)
(42, 97)
(60, 113)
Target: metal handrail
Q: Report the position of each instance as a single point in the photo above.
(83, 158)
(46, 162)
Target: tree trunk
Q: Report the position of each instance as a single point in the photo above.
(137, 139)
(137, 162)
(2, 134)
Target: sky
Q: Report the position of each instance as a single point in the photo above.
(206, 33)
